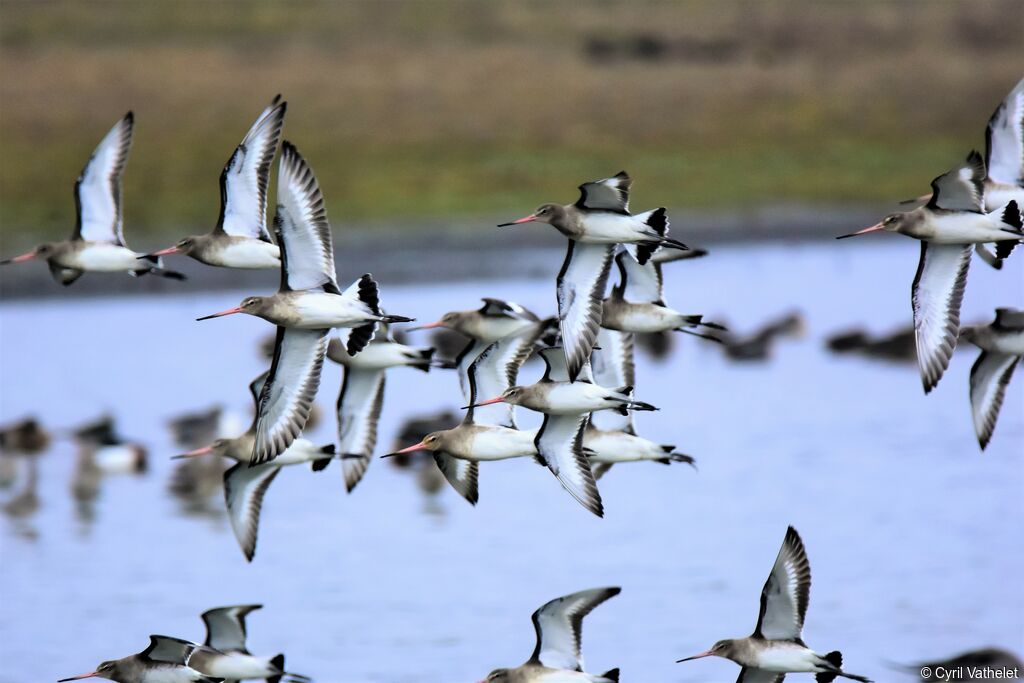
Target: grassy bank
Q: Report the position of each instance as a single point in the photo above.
(455, 108)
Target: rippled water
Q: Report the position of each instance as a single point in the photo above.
(914, 536)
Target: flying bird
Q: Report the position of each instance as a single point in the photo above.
(362, 396)
(776, 647)
(164, 661)
(97, 242)
(595, 224)
(224, 653)
(947, 226)
(1002, 346)
(306, 307)
(245, 485)
(557, 657)
(240, 239)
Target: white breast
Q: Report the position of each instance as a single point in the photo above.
(612, 447)
(499, 443)
(787, 657)
(237, 666)
(301, 450)
(576, 398)
(250, 253)
(966, 228)
(378, 357)
(609, 228)
(319, 310)
(104, 257)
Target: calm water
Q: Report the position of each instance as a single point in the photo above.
(915, 537)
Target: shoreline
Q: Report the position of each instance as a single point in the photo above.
(398, 252)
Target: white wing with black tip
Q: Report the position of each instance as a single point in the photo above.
(936, 295)
(560, 446)
(613, 367)
(359, 406)
(303, 233)
(581, 287)
(786, 593)
(961, 189)
(639, 284)
(225, 627)
(463, 475)
(286, 398)
(990, 375)
(610, 194)
(244, 488)
(748, 675)
(559, 628)
(168, 650)
(556, 369)
(495, 370)
(98, 188)
(1004, 140)
(243, 182)
(463, 361)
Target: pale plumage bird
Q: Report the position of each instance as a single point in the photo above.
(240, 238)
(224, 653)
(485, 433)
(595, 224)
(948, 227)
(245, 485)
(362, 396)
(610, 437)
(1002, 346)
(637, 302)
(308, 304)
(97, 243)
(557, 657)
(776, 646)
(164, 661)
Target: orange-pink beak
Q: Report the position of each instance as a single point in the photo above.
(709, 653)
(428, 326)
(408, 449)
(230, 311)
(18, 259)
(874, 228)
(490, 401)
(525, 219)
(192, 454)
(165, 252)
(80, 677)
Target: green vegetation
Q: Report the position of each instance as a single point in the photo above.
(452, 109)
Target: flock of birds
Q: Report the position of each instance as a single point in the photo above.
(586, 395)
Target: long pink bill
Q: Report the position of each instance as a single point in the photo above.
(709, 653)
(874, 228)
(230, 311)
(525, 219)
(192, 454)
(408, 449)
(19, 259)
(163, 252)
(490, 401)
(80, 677)
(428, 326)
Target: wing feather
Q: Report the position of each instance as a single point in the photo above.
(303, 233)
(786, 593)
(98, 188)
(936, 295)
(558, 625)
(581, 286)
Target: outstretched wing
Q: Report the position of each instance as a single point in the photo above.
(786, 593)
(463, 475)
(168, 650)
(225, 627)
(638, 284)
(1004, 139)
(610, 194)
(494, 371)
(990, 376)
(961, 189)
(936, 295)
(581, 286)
(98, 188)
(303, 233)
(613, 367)
(243, 182)
(748, 675)
(244, 488)
(560, 446)
(359, 405)
(559, 628)
(287, 396)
